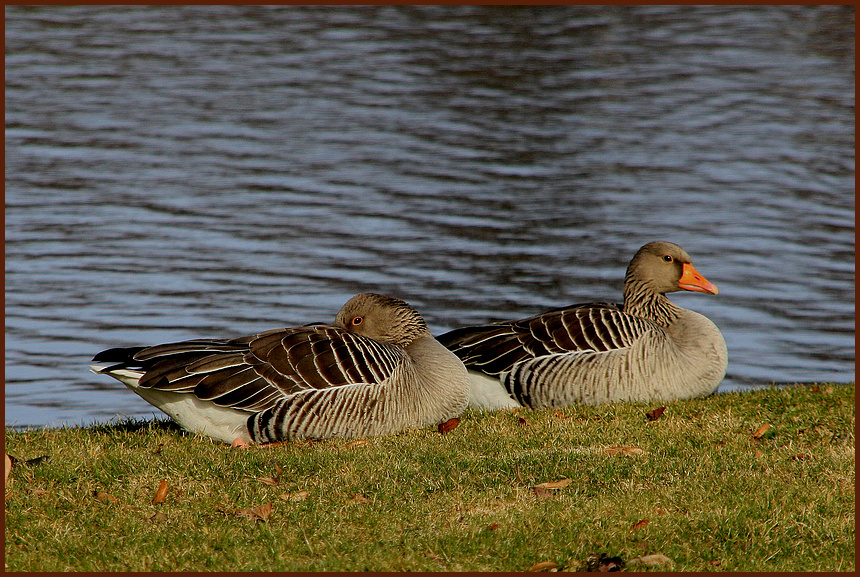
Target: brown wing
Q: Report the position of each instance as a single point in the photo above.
(496, 348)
(254, 372)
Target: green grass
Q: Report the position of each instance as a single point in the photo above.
(714, 497)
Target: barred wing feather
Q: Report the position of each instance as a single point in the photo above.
(497, 348)
(254, 373)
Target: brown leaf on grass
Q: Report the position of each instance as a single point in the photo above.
(522, 420)
(758, 454)
(260, 513)
(358, 500)
(761, 431)
(30, 462)
(603, 563)
(543, 566)
(104, 497)
(655, 414)
(299, 496)
(639, 524)
(267, 480)
(560, 415)
(158, 517)
(541, 492)
(40, 492)
(624, 450)
(448, 425)
(358, 443)
(801, 457)
(555, 484)
(651, 560)
(161, 493)
(493, 526)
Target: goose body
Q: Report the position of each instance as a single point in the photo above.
(648, 349)
(377, 370)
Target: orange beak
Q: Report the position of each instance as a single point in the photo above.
(691, 280)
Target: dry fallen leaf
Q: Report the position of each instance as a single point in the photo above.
(561, 415)
(158, 517)
(358, 443)
(161, 493)
(656, 413)
(493, 526)
(554, 484)
(358, 500)
(761, 431)
(801, 457)
(541, 491)
(299, 496)
(40, 492)
(640, 524)
(267, 480)
(603, 563)
(651, 560)
(543, 566)
(624, 451)
(448, 425)
(104, 497)
(30, 462)
(522, 420)
(262, 512)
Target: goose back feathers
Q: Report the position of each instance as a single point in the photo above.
(647, 349)
(376, 370)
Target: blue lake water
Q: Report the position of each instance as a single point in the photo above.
(212, 171)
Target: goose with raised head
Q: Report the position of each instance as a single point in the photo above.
(377, 370)
(647, 349)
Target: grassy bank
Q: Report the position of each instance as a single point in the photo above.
(703, 487)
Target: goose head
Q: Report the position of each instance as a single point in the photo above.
(661, 267)
(382, 318)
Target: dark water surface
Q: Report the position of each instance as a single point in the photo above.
(211, 171)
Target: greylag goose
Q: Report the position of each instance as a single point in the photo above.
(649, 349)
(377, 370)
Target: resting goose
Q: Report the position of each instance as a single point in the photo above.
(649, 349)
(377, 370)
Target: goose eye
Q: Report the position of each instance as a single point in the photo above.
(668, 258)
(357, 321)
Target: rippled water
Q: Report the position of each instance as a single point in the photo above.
(211, 171)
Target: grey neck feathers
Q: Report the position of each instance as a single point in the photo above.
(643, 301)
